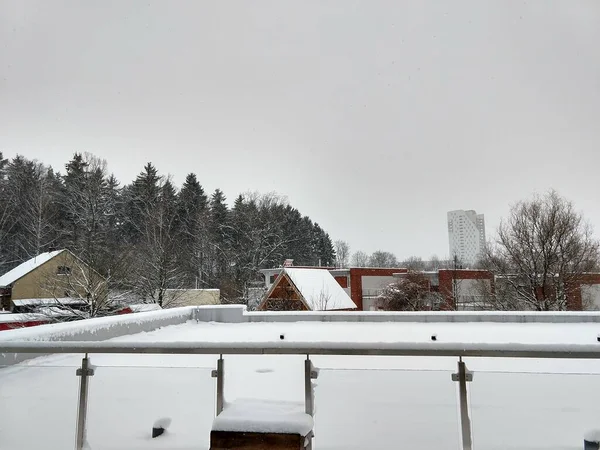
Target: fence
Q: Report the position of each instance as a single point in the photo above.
(428, 349)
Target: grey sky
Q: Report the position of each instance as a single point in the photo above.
(374, 118)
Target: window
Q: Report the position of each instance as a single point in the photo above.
(63, 270)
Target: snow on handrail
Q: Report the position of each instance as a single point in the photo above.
(441, 349)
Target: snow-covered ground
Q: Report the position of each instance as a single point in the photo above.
(362, 402)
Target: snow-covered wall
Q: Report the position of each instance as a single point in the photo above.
(238, 314)
(110, 327)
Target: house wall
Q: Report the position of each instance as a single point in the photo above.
(468, 283)
(44, 281)
(591, 295)
(364, 279)
(583, 294)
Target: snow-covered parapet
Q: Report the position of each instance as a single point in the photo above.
(264, 416)
(99, 329)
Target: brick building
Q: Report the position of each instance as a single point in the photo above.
(461, 289)
(363, 285)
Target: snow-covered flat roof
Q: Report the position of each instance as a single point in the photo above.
(320, 290)
(361, 402)
(23, 269)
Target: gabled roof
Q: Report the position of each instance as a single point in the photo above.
(23, 269)
(319, 289)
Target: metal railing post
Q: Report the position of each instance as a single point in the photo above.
(462, 377)
(83, 372)
(310, 373)
(219, 374)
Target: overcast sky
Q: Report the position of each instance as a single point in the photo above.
(374, 118)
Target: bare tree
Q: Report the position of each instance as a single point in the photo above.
(342, 253)
(498, 296)
(359, 259)
(414, 263)
(410, 293)
(76, 291)
(322, 302)
(383, 259)
(542, 250)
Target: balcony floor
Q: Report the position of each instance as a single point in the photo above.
(362, 402)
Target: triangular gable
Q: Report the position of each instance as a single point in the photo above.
(27, 267)
(283, 285)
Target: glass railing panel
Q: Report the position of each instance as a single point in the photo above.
(533, 409)
(38, 403)
(386, 408)
(127, 402)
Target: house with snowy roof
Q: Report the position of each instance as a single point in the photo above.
(56, 277)
(304, 289)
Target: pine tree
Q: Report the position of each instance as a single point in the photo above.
(323, 249)
(219, 234)
(141, 198)
(192, 216)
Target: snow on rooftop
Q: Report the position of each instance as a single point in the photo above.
(320, 290)
(48, 301)
(145, 307)
(23, 269)
(12, 318)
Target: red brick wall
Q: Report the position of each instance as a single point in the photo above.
(342, 281)
(447, 275)
(356, 275)
(574, 297)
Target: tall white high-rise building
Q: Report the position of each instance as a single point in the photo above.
(466, 233)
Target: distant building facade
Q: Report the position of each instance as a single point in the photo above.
(47, 277)
(466, 236)
(458, 289)
(362, 284)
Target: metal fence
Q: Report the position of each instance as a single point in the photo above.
(423, 349)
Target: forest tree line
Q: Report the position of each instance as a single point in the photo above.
(149, 236)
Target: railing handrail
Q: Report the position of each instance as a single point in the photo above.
(440, 349)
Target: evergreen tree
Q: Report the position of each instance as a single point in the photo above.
(141, 198)
(74, 183)
(192, 206)
(323, 249)
(146, 237)
(219, 234)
